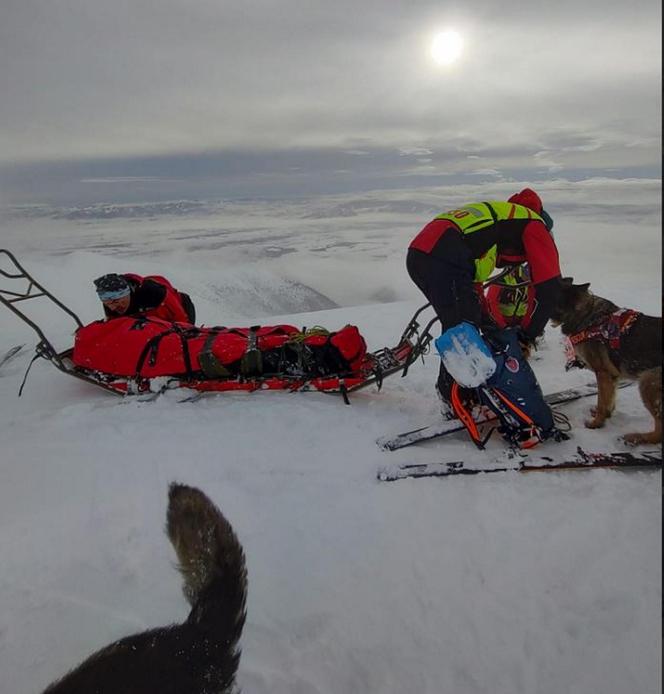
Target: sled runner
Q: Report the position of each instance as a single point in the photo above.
(148, 355)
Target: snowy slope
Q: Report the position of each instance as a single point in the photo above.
(531, 584)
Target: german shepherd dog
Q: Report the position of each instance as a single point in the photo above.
(636, 356)
(200, 656)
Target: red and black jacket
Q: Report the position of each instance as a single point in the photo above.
(517, 241)
(153, 296)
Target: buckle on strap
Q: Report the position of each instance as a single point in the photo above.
(251, 363)
(207, 360)
(518, 428)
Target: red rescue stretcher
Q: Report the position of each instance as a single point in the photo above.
(133, 356)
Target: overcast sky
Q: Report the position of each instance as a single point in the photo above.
(194, 97)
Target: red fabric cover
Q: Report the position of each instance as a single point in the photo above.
(115, 346)
(351, 345)
(528, 198)
(171, 308)
(431, 234)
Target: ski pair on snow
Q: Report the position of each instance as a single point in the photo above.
(510, 461)
(444, 427)
(521, 462)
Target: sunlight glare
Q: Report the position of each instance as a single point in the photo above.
(447, 47)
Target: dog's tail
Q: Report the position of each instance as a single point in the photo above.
(212, 563)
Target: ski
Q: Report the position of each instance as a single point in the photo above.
(517, 462)
(10, 354)
(449, 426)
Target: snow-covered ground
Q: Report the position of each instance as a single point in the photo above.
(498, 584)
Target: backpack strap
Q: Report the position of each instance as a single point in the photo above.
(466, 417)
(251, 363)
(518, 428)
(151, 348)
(207, 360)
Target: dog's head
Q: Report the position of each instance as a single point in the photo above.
(573, 299)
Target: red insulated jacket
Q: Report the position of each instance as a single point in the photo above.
(154, 297)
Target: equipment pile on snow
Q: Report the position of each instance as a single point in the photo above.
(276, 356)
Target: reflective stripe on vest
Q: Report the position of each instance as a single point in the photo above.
(480, 215)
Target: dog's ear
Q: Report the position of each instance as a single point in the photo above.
(567, 281)
(582, 287)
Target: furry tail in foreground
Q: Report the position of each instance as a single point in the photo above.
(200, 656)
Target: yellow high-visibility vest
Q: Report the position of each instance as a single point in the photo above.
(517, 297)
(479, 215)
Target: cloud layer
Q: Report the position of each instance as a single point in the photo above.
(555, 87)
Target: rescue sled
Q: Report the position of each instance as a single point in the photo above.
(144, 355)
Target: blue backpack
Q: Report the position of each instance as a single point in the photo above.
(514, 395)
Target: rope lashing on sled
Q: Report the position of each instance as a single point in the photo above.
(316, 331)
(296, 344)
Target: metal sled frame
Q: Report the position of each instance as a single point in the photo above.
(414, 343)
(28, 288)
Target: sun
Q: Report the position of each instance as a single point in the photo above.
(447, 47)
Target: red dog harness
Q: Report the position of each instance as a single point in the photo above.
(610, 329)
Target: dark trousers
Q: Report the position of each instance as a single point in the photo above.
(445, 276)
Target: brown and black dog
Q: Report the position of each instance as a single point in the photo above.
(633, 351)
(201, 655)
